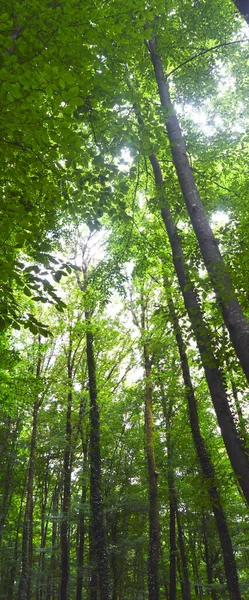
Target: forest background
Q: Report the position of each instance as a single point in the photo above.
(124, 300)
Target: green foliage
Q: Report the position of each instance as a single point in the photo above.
(80, 117)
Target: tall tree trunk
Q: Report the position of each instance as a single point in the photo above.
(7, 483)
(241, 420)
(164, 574)
(234, 318)
(154, 543)
(167, 411)
(174, 516)
(98, 528)
(65, 528)
(81, 527)
(44, 497)
(172, 521)
(25, 583)
(172, 549)
(10, 592)
(123, 557)
(114, 558)
(51, 585)
(186, 595)
(206, 465)
(209, 565)
(93, 579)
(235, 449)
(25, 579)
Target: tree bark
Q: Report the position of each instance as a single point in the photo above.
(52, 591)
(209, 565)
(40, 573)
(25, 581)
(98, 528)
(186, 594)
(24, 592)
(167, 411)
(81, 527)
(154, 542)
(65, 529)
(234, 446)
(234, 318)
(185, 583)
(207, 466)
(11, 584)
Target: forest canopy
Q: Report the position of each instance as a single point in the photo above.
(124, 314)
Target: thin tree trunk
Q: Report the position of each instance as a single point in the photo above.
(172, 522)
(174, 514)
(7, 483)
(234, 446)
(164, 574)
(24, 586)
(81, 527)
(241, 420)
(114, 559)
(123, 557)
(234, 318)
(167, 411)
(208, 559)
(154, 543)
(93, 579)
(51, 586)
(98, 528)
(10, 592)
(65, 543)
(186, 595)
(40, 573)
(206, 465)
(25, 579)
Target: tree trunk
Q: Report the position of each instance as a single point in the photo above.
(207, 466)
(114, 558)
(241, 420)
(234, 446)
(24, 586)
(65, 529)
(172, 542)
(26, 564)
(51, 585)
(234, 318)
(153, 558)
(11, 584)
(40, 574)
(7, 483)
(81, 528)
(98, 528)
(93, 579)
(186, 595)
(208, 559)
(185, 584)
(167, 411)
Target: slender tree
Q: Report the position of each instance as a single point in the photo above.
(234, 318)
(66, 493)
(154, 542)
(25, 579)
(207, 466)
(234, 446)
